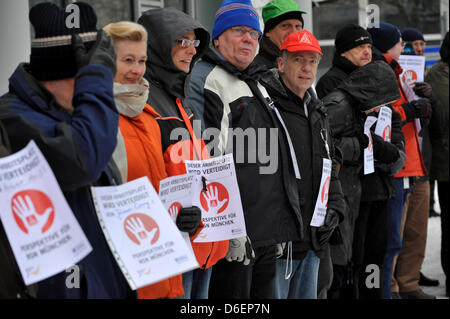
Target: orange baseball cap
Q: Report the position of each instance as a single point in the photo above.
(301, 41)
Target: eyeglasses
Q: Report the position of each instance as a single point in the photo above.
(185, 43)
(302, 60)
(255, 35)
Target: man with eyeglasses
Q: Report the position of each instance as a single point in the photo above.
(225, 92)
(281, 18)
(306, 121)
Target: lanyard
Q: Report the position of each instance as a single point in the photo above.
(185, 117)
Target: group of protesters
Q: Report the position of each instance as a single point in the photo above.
(101, 105)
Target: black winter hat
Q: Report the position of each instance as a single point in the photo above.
(272, 23)
(385, 37)
(412, 34)
(351, 36)
(52, 56)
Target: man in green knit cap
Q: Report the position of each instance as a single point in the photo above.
(281, 18)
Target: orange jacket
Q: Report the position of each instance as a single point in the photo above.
(144, 158)
(414, 165)
(207, 254)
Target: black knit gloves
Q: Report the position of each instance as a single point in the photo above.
(188, 219)
(102, 52)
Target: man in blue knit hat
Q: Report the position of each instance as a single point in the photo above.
(416, 38)
(225, 93)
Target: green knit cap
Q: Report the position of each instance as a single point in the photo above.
(277, 8)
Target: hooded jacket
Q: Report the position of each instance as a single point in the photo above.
(414, 165)
(167, 97)
(340, 70)
(227, 98)
(359, 92)
(306, 131)
(268, 53)
(78, 147)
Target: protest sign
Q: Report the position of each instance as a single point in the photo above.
(44, 235)
(219, 198)
(384, 125)
(320, 210)
(175, 193)
(141, 235)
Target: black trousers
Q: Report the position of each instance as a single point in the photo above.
(369, 248)
(443, 192)
(233, 280)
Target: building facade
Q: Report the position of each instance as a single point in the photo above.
(323, 19)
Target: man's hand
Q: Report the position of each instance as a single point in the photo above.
(325, 231)
(423, 89)
(188, 219)
(240, 249)
(102, 52)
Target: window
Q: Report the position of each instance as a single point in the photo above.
(329, 17)
(109, 11)
(423, 15)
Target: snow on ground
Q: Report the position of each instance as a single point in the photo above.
(432, 264)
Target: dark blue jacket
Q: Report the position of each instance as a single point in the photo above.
(78, 147)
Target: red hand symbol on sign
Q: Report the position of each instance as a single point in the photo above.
(387, 133)
(174, 209)
(324, 192)
(215, 199)
(141, 227)
(33, 211)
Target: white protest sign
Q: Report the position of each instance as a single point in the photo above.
(384, 123)
(175, 193)
(320, 210)
(144, 240)
(44, 235)
(369, 167)
(413, 71)
(220, 200)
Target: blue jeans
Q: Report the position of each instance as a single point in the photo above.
(303, 281)
(394, 238)
(196, 283)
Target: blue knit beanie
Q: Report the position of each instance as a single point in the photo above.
(234, 13)
(412, 34)
(385, 37)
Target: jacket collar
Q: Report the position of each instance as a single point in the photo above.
(253, 72)
(29, 90)
(344, 64)
(269, 51)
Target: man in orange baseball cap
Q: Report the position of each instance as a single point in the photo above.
(309, 131)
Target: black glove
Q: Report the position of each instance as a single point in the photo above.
(384, 151)
(102, 52)
(363, 140)
(188, 219)
(420, 108)
(423, 89)
(325, 231)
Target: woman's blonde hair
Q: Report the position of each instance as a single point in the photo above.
(126, 30)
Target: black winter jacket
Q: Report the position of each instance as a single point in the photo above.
(359, 92)
(340, 70)
(306, 133)
(227, 98)
(268, 54)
